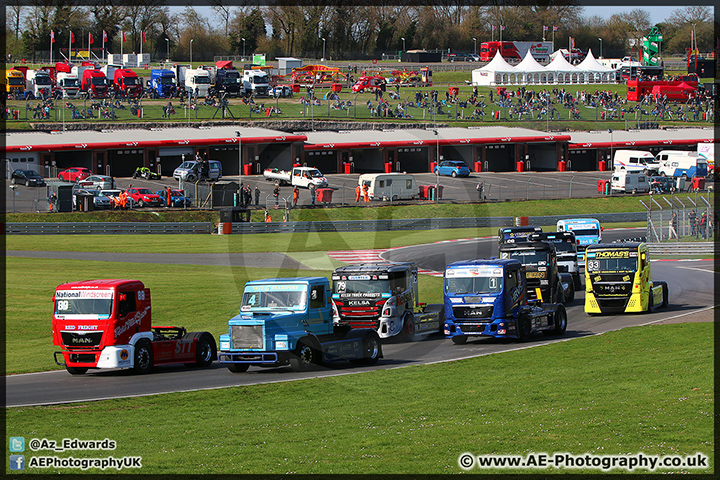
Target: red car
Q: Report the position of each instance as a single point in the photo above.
(144, 196)
(74, 174)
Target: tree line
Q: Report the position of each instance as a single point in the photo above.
(339, 30)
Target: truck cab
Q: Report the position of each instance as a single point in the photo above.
(489, 298)
(14, 82)
(197, 80)
(127, 82)
(384, 296)
(566, 252)
(68, 84)
(289, 321)
(544, 281)
(256, 82)
(94, 82)
(107, 324)
(516, 234)
(617, 280)
(39, 83)
(228, 81)
(163, 83)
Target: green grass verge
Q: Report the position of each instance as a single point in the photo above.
(636, 390)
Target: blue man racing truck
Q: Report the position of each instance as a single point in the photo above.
(489, 298)
(289, 321)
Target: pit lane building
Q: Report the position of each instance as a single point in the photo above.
(488, 149)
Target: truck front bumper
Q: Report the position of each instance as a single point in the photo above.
(116, 356)
(504, 328)
(251, 358)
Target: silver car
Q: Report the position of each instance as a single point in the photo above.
(98, 182)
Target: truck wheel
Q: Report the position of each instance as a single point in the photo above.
(277, 183)
(371, 350)
(303, 358)
(459, 339)
(408, 330)
(143, 357)
(76, 370)
(205, 349)
(570, 293)
(560, 322)
(190, 178)
(666, 294)
(523, 328)
(238, 367)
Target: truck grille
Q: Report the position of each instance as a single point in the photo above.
(472, 327)
(612, 289)
(351, 310)
(76, 340)
(247, 336)
(485, 311)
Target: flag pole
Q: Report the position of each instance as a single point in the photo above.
(51, 42)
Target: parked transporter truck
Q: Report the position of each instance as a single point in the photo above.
(489, 298)
(617, 279)
(544, 280)
(290, 321)
(107, 324)
(384, 296)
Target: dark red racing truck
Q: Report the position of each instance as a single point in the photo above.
(106, 324)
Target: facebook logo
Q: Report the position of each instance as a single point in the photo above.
(17, 444)
(17, 462)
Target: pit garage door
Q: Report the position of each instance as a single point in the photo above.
(171, 158)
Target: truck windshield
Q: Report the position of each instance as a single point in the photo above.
(83, 304)
(274, 297)
(202, 80)
(16, 81)
(564, 247)
(166, 81)
(473, 285)
(99, 81)
(584, 231)
(627, 264)
(362, 286)
(70, 82)
(43, 80)
(528, 257)
(130, 80)
(260, 80)
(484, 279)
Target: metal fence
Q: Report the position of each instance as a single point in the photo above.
(50, 228)
(671, 219)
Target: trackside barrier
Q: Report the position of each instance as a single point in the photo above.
(46, 228)
(684, 248)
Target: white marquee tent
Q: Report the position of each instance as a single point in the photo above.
(529, 72)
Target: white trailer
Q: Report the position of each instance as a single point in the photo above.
(256, 82)
(390, 186)
(39, 83)
(298, 176)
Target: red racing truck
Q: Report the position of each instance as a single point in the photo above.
(106, 324)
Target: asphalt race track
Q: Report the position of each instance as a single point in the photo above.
(690, 284)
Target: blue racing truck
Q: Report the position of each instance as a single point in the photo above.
(489, 298)
(587, 232)
(163, 83)
(289, 321)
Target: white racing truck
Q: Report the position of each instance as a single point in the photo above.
(298, 176)
(384, 296)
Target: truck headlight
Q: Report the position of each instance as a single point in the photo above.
(281, 345)
(224, 345)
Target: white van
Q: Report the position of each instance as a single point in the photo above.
(629, 182)
(635, 161)
(390, 186)
(682, 163)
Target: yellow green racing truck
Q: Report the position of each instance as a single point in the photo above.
(617, 280)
